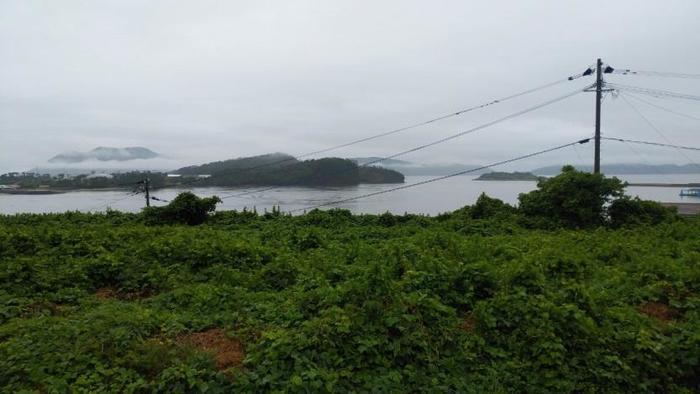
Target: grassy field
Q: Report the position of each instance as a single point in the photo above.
(330, 301)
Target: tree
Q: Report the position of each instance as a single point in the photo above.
(572, 198)
(186, 208)
(632, 211)
(488, 207)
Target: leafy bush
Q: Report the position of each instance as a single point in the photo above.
(186, 208)
(487, 207)
(573, 198)
(632, 211)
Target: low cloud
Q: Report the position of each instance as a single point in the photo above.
(210, 80)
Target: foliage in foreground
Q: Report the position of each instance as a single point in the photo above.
(470, 301)
(186, 208)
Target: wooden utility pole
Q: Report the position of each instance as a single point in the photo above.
(598, 99)
(148, 196)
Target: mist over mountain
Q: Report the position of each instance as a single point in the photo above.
(268, 160)
(103, 153)
(415, 169)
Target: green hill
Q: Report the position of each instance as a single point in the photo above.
(273, 160)
(284, 170)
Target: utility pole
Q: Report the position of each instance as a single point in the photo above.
(598, 99)
(148, 196)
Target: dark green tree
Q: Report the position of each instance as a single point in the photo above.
(186, 208)
(572, 199)
(633, 211)
(488, 207)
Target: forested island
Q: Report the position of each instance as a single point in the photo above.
(508, 176)
(265, 170)
(280, 169)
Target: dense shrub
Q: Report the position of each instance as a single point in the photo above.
(487, 207)
(573, 198)
(633, 211)
(186, 208)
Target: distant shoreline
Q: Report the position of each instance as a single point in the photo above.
(30, 191)
(664, 184)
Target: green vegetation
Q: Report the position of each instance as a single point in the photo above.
(508, 176)
(573, 198)
(489, 298)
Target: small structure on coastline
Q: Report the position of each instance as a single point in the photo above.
(694, 192)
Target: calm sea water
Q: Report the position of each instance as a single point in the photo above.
(431, 199)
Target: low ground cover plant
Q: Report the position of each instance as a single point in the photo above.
(489, 298)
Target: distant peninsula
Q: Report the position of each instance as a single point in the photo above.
(277, 169)
(103, 153)
(508, 176)
(415, 169)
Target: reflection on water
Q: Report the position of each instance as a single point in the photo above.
(431, 199)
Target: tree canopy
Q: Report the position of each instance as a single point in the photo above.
(572, 198)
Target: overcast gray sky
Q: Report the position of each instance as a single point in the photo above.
(209, 80)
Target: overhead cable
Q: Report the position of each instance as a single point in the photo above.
(158, 199)
(651, 143)
(652, 92)
(656, 129)
(484, 105)
(103, 205)
(445, 139)
(655, 74)
(672, 111)
(436, 179)
(409, 127)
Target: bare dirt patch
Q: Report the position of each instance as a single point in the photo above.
(106, 293)
(469, 323)
(227, 352)
(658, 311)
(109, 293)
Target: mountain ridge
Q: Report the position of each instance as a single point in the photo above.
(415, 169)
(105, 153)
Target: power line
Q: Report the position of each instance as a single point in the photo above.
(408, 127)
(477, 128)
(652, 92)
(657, 170)
(445, 139)
(583, 141)
(656, 74)
(154, 198)
(484, 105)
(103, 205)
(652, 143)
(580, 158)
(661, 107)
(656, 129)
